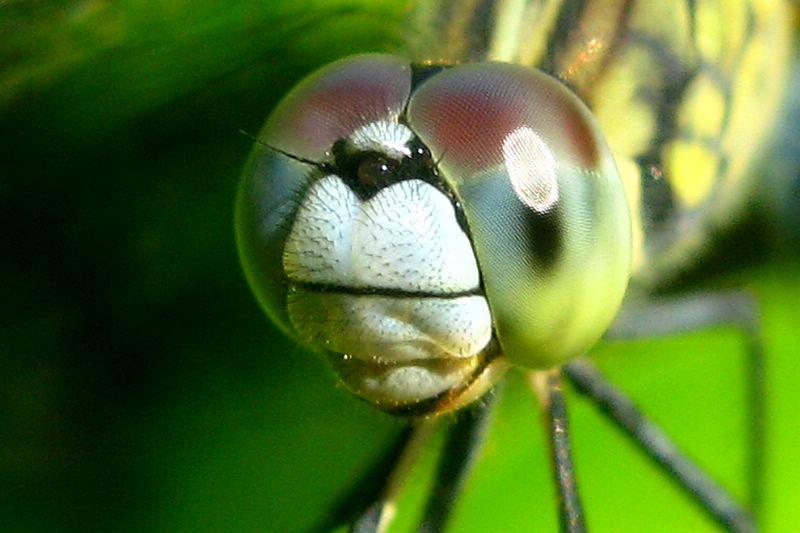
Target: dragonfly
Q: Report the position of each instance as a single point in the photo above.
(522, 183)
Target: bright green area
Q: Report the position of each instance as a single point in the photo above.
(693, 386)
(141, 388)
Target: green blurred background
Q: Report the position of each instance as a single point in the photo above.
(141, 388)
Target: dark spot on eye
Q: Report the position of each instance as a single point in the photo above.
(543, 236)
(505, 225)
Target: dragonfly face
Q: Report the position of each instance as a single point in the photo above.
(427, 228)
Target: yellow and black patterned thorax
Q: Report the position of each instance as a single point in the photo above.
(685, 92)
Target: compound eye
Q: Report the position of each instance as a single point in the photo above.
(542, 198)
(319, 114)
(478, 116)
(336, 101)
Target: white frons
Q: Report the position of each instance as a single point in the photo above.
(404, 238)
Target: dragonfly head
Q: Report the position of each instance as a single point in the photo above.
(428, 232)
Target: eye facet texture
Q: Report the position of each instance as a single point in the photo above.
(337, 101)
(545, 206)
(421, 280)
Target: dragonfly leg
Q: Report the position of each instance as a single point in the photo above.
(460, 448)
(714, 499)
(548, 388)
(703, 310)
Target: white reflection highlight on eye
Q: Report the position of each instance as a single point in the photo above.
(531, 168)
